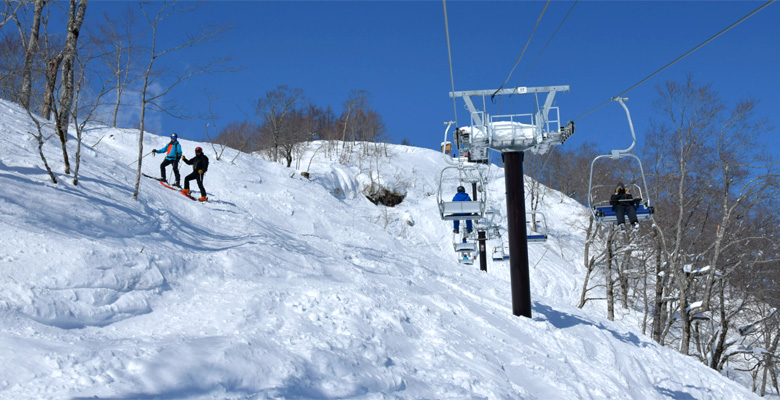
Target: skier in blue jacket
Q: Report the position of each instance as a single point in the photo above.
(461, 196)
(173, 154)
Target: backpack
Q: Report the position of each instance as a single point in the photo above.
(205, 163)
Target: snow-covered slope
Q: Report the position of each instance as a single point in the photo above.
(285, 287)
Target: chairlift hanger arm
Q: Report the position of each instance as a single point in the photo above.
(622, 100)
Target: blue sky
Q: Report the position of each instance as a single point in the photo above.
(397, 51)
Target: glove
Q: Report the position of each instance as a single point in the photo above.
(184, 158)
(200, 171)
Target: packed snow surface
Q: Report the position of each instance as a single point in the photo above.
(286, 287)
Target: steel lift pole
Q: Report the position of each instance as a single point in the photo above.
(518, 243)
(481, 237)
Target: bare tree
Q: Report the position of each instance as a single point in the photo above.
(41, 139)
(67, 91)
(11, 64)
(120, 51)
(358, 121)
(711, 178)
(275, 111)
(9, 11)
(738, 155)
(592, 257)
(148, 99)
(29, 55)
(298, 129)
(53, 65)
(661, 276)
(237, 135)
(84, 111)
(681, 146)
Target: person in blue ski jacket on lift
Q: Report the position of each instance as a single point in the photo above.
(173, 154)
(461, 196)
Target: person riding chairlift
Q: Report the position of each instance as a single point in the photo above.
(461, 196)
(622, 203)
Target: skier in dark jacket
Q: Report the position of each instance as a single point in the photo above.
(173, 153)
(200, 164)
(461, 196)
(622, 208)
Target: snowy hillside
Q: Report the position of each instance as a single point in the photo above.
(286, 287)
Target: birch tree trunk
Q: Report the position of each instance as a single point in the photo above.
(75, 20)
(588, 261)
(143, 111)
(660, 283)
(608, 277)
(51, 82)
(29, 55)
(119, 86)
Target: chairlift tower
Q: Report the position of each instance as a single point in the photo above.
(513, 135)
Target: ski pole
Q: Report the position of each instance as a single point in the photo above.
(151, 152)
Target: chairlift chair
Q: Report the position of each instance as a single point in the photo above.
(467, 247)
(449, 179)
(603, 212)
(601, 209)
(467, 259)
(536, 225)
(466, 250)
(500, 253)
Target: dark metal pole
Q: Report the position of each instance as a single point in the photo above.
(481, 236)
(518, 242)
(482, 252)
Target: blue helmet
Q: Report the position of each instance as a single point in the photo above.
(174, 136)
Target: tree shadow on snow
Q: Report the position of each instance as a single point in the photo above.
(562, 320)
(674, 394)
(183, 393)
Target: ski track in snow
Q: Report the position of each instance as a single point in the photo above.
(283, 287)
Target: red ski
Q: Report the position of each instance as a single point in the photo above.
(173, 188)
(165, 184)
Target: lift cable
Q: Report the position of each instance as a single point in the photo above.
(679, 58)
(524, 48)
(548, 42)
(449, 54)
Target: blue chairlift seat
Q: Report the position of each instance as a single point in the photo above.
(536, 238)
(607, 214)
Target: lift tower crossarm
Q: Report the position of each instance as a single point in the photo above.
(466, 95)
(541, 140)
(517, 90)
